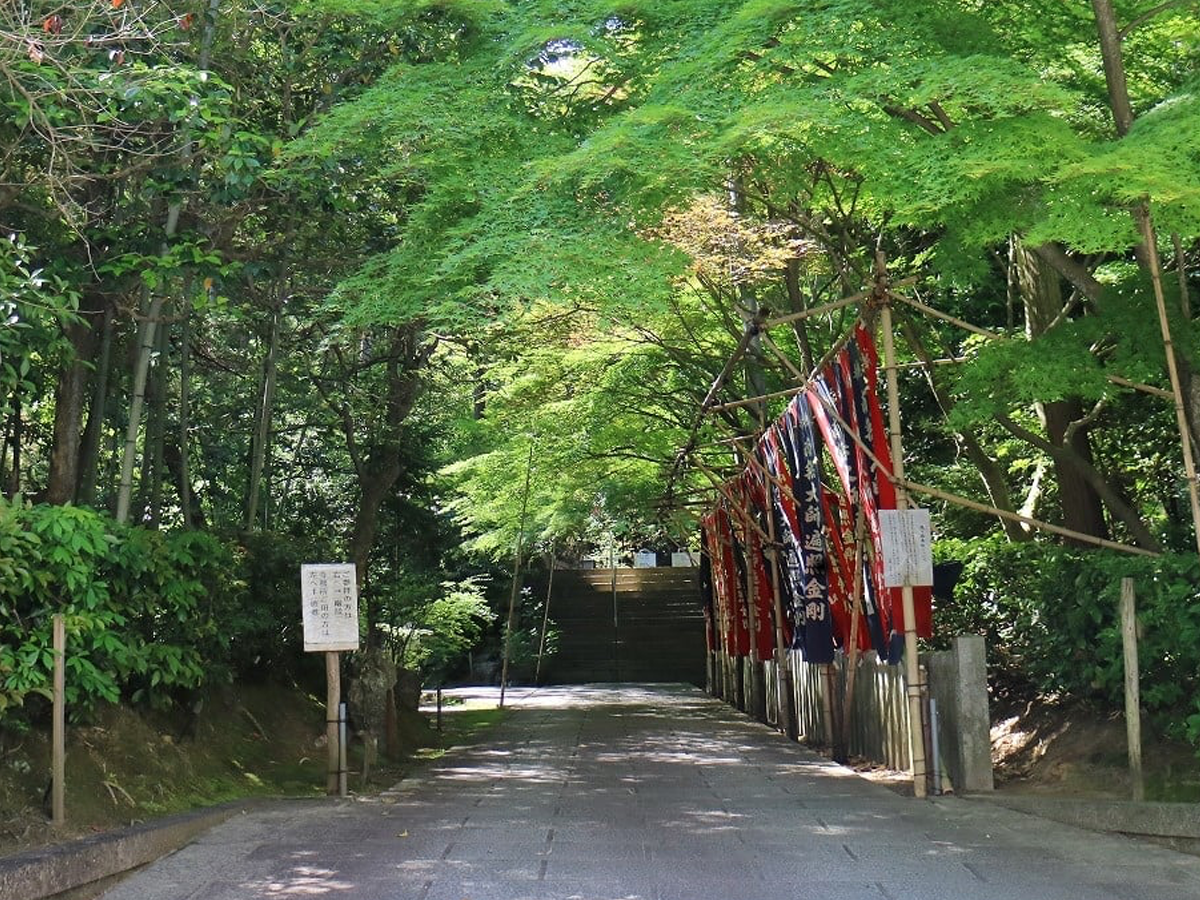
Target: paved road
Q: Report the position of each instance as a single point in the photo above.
(652, 794)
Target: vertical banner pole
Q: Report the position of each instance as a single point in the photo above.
(59, 728)
(1133, 705)
(912, 674)
(333, 701)
(856, 598)
(787, 703)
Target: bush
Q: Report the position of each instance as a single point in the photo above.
(140, 607)
(1051, 619)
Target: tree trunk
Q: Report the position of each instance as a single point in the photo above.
(157, 433)
(63, 479)
(141, 370)
(791, 280)
(262, 430)
(990, 471)
(1041, 294)
(146, 344)
(380, 467)
(380, 472)
(16, 432)
(89, 445)
(184, 473)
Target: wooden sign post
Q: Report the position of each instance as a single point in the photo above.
(1133, 703)
(329, 598)
(912, 676)
(58, 763)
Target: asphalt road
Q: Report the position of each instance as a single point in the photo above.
(652, 793)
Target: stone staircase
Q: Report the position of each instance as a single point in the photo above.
(651, 629)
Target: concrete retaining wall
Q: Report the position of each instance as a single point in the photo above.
(55, 870)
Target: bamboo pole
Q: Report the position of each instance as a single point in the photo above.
(1142, 214)
(821, 310)
(738, 506)
(833, 351)
(833, 306)
(955, 499)
(787, 711)
(911, 665)
(756, 704)
(945, 317)
(991, 335)
(783, 357)
(856, 592)
(751, 401)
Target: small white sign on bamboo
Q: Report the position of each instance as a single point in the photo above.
(329, 594)
(907, 538)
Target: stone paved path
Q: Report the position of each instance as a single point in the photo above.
(652, 794)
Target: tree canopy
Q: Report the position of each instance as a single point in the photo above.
(320, 277)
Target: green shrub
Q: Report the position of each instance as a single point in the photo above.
(141, 607)
(1051, 619)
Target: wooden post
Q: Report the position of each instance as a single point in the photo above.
(343, 742)
(333, 700)
(912, 675)
(59, 736)
(1133, 712)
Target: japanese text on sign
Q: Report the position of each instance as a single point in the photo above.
(329, 595)
(907, 547)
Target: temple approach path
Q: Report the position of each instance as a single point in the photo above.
(653, 793)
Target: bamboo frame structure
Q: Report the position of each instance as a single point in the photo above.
(1189, 463)
(912, 679)
(879, 299)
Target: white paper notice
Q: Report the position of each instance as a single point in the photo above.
(329, 595)
(907, 547)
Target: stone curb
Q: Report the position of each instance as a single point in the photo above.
(1166, 820)
(53, 870)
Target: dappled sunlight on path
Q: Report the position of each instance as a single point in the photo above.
(651, 793)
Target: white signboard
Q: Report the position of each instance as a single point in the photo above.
(329, 594)
(907, 547)
(682, 560)
(645, 559)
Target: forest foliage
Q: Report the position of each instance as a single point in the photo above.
(308, 279)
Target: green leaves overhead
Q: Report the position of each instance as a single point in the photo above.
(539, 162)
